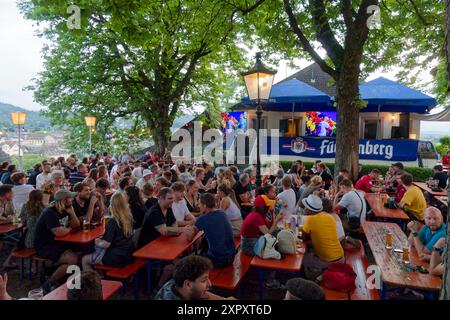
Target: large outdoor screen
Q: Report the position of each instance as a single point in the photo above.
(233, 121)
(321, 124)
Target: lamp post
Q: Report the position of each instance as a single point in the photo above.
(19, 118)
(90, 122)
(258, 82)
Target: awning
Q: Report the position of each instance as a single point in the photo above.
(444, 115)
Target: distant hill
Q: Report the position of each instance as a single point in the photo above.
(35, 121)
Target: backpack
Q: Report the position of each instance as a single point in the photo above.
(265, 247)
(340, 277)
(286, 242)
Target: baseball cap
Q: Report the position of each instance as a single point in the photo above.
(146, 172)
(259, 202)
(268, 202)
(313, 203)
(62, 194)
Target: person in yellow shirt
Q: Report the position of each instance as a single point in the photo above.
(413, 201)
(320, 227)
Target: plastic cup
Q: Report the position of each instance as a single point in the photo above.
(36, 294)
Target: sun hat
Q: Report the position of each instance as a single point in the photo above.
(313, 203)
(146, 172)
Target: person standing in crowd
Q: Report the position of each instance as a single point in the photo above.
(45, 176)
(115, 248)
(413, 201)
(20, 189)
(425, 238)
(56, 221)
(218, 232)
(37, 169)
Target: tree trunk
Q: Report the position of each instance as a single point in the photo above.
(347, 133)
(445, 292)
(161, 134)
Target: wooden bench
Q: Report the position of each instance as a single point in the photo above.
(331, 294)
(125, 273)
(26, 253)
(237, 242)
(230, 277)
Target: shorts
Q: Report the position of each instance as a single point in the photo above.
(53, 251)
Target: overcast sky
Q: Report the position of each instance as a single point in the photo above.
(20, 61)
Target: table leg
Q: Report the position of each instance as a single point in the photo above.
(149, 282)
(383, 291)
(261, 283)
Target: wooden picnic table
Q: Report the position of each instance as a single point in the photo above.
(9, 227)
(424, 187)
(82, 237)
(164, 249)
(381, 212)
(109, 288)
(390, 262)
(288, 263)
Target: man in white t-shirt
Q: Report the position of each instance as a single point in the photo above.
(138, 170)
(352, 200)
(179, 206)
(43, 177)
(287, 198)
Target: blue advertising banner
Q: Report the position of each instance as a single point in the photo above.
(315, 147)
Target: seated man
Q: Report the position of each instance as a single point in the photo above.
(159, 219)
(429, 234)
(302, 289)
(321, 228)
(413, 201)
(86, 204)
(242, 190)
(79, 175)
(218, 232)
(190, 281)
(366, 182)
(57, 220)
(441, 176)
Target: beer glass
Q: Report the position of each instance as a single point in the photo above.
(36, 294)
(86, 224)
(388, 240)
(406, 255)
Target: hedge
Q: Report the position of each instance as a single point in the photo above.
(419, 174)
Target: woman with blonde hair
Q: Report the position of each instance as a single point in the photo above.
(103, 172)
(115, 248)
(228, 203)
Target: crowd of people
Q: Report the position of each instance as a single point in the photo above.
(143, 199)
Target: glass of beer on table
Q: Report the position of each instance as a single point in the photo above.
(86, 225)
(406, 254)
(388, 240)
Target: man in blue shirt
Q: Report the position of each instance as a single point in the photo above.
(218, 232)
(429, 234)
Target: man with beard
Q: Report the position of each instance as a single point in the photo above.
(425, 239)
(86, 204)
(56, 221)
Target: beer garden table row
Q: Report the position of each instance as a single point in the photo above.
(390, 263)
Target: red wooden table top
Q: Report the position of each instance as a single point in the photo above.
(424, 187)
(9, 227)
(380, 211)
(110, 288)
(166, 248)
(291, 262)
(83, 237)
(390, 262)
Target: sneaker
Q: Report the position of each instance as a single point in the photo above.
(274, 284)
(353, 241)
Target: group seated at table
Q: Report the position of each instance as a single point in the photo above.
(143, 201)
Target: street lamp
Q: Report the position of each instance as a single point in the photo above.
(258, 82)
(19, 118)
(90, 122)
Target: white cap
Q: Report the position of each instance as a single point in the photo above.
(146, 172)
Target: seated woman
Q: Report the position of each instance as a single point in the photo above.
(192, 197)
(115, 248)
(29, 215)
(254, 226)
(230, 207)
(137, 206)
